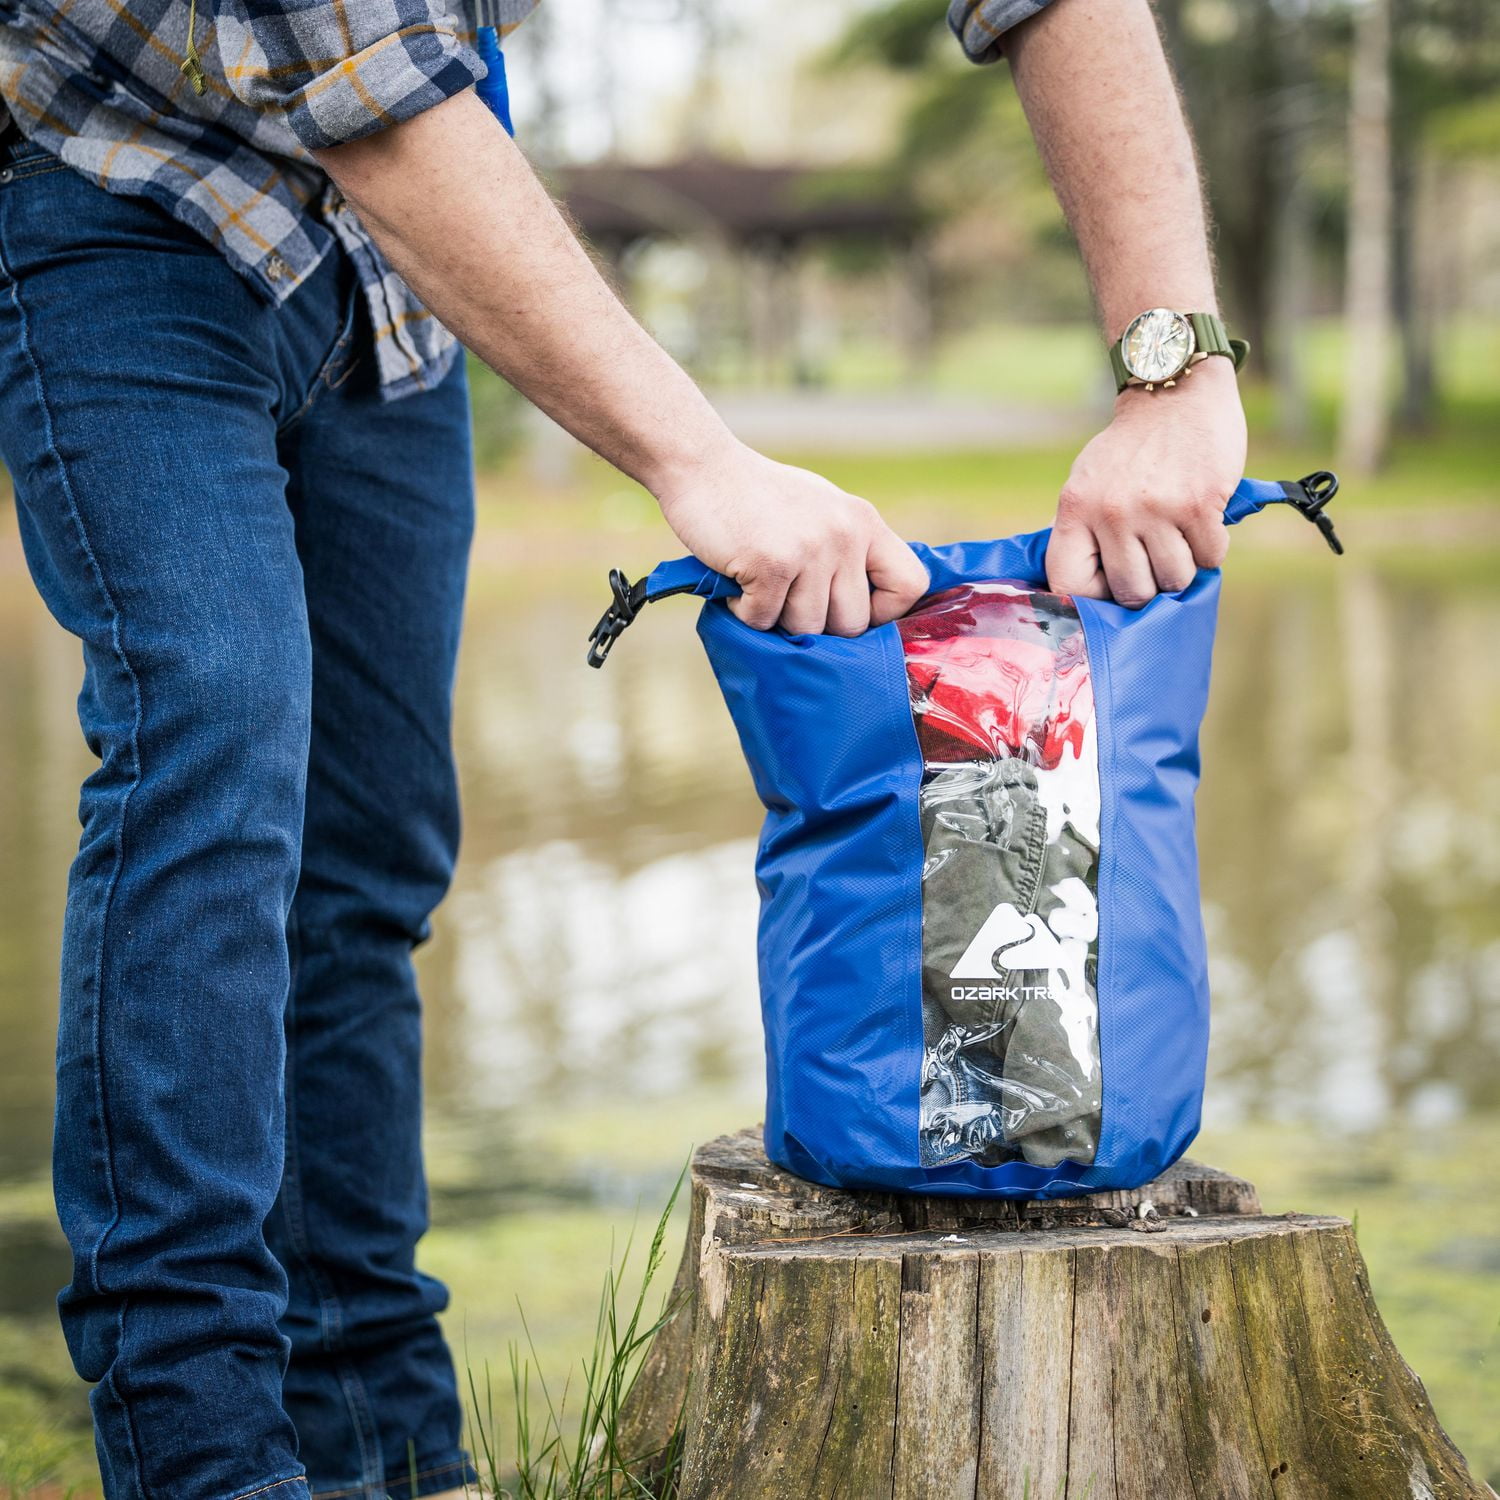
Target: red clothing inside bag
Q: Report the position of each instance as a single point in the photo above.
(996, 670)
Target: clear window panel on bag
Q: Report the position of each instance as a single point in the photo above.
(1003, 704)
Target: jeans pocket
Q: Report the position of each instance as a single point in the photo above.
(342, 357)
(23, 159)
(343, 354)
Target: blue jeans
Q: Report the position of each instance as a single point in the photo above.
(265, 567)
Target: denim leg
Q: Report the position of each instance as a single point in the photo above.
(139, 389)
(382, 496)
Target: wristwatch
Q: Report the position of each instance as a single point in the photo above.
(1158, 345)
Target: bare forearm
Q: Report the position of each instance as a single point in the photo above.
(1143, 505)
(459, 213)
(1102, 104)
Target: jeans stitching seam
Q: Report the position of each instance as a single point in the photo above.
(357, 1398)
(332, 381)
(319, 382)
(330, 1312)
(330, 1309)
(118, 648)
(275, 1484)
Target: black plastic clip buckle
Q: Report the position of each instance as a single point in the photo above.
(1309, 495)
(626, 605)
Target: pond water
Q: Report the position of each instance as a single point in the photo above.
(598, 947)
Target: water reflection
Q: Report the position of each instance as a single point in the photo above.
(600, 940)
(637, 981)
(1350, 828)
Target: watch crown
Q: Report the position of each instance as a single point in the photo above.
(1167, 385)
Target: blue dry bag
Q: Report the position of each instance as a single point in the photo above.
(982, 964)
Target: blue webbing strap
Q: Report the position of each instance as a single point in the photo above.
(683, 575)
(1250, 498)
(493, 88)
(686, 575)
(1307, 495)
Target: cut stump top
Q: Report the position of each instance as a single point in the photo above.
(751, 1200)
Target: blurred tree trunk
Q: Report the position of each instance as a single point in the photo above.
(1289, 301)
(1229, 87)
(535, 44)
(609, 80)
(702, 114)
(1413, 293)
(1413, 290)
(1250, 252)
(1367, 285)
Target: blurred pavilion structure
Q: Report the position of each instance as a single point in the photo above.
(762, 236)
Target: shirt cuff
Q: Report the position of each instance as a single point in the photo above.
(980, 25)
(387, 61)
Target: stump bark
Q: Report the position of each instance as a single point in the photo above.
(871, 1346)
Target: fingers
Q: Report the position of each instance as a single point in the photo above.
(849, 602)
(1172, 563)
(842, 589)
(1073, 562)
(1143, 506)
(763, 592)
(1207, 534)
(845, 604)
(1127, 566)
(806, 609)
(805, 554)
(1107, 548)
(896, 578)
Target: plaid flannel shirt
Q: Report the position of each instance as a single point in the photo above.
(100, 83)
(980, 25)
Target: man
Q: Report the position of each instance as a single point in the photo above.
(238, 442)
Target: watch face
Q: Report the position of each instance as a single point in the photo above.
(1157, 344)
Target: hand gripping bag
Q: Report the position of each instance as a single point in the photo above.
(982, 963)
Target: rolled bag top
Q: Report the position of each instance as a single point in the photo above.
(1021, 557)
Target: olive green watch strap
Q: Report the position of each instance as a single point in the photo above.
(1209, 337)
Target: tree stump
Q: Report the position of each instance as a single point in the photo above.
(1171, 1343)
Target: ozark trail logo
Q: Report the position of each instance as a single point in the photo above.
(1010, 940)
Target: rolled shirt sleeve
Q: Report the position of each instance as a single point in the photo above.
(341, 69)
(980, 25)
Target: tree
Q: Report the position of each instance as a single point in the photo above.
(1283, 98)
(1364, 417)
